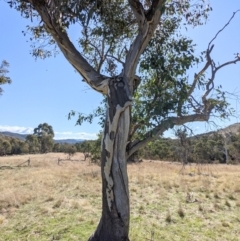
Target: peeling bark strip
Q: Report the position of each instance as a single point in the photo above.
(118, 101)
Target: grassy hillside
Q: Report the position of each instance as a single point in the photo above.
(234, 128)
(47, 201)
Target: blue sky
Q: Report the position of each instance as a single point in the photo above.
(47, 90)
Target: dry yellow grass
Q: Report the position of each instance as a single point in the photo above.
(47, 201)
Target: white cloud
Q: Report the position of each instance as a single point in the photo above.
(17, 129)
(58, 135)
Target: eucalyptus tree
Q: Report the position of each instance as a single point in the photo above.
(84, 147)
(184, 144)
(24, 147)
(235, 147)
(33, 142)
(4, 79)
(15, 143)
(44, 132)
(70, 150)
(5, 147)
(133, 53)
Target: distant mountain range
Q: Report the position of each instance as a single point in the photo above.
(234, 128)
(69, 141)
(14, 135)
(23, 138)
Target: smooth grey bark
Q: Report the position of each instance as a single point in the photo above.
(114, 223)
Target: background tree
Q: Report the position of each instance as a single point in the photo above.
(229, 144)
(57, 147)
(95, 149)
(84, 147)
(133, 53)
(5, 147)
(184, 144)
(33, 143)
(3, 72)
(235, 147)
(45, 134)
(15, 143)
(24, 147)
(157, 149)
(47, 143)
(203, 152)
(70, 150)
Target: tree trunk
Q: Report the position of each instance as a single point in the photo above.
(114, 223)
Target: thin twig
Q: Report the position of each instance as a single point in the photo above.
(223, 27)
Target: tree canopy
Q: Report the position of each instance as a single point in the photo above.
(165, 93)
(44, 133)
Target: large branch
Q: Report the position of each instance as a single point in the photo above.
(165, 125)
(147, 23)
(138, 11)
(52, 25)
